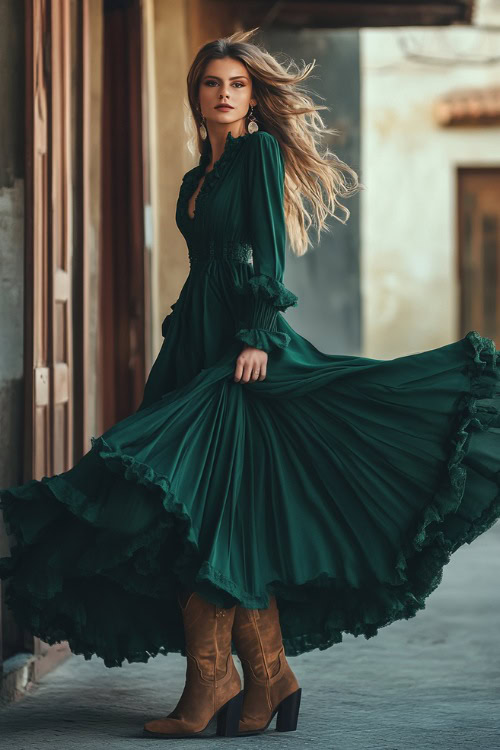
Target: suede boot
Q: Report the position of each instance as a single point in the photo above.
(213, 685)
(270, 685)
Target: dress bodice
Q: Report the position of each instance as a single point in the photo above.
(219, 227)
(237, 237)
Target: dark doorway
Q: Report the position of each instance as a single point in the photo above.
(479, 250)
(122, 291)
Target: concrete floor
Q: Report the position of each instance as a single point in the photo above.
(429, 682)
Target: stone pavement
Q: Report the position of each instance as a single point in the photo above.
(429, 682)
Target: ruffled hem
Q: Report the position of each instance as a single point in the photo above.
(484, 385)
(313, 614)
(269, 289)
(55, 614)
(263, 339)
(422, 557)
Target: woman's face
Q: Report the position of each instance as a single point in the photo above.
(226, 80)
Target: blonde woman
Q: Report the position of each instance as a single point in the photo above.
(266, 496)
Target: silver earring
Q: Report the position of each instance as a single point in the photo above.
(252, 125)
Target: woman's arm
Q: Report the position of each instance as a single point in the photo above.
(264, 185)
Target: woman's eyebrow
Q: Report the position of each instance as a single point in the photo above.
(231, 79)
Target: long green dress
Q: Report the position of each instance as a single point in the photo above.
(342, 484)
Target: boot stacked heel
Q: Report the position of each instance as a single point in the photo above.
(270, 685)
(228, 717)
(213, 684)
(288, 712)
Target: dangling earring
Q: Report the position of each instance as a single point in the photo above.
(203, 130)
(252, 125)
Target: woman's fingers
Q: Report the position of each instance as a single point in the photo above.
(238, 372)
(251, 365)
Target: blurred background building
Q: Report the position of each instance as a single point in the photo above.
(430, 156)
(93, 146)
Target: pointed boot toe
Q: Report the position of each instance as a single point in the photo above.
(213, 684)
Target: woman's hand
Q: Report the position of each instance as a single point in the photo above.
(251, 365)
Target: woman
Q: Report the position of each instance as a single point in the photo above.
(265, 495)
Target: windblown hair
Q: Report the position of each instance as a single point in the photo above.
(286, 110)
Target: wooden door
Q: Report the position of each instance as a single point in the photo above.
(48, 436)
(479, 250)
(48, 332)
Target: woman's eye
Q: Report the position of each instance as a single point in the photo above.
(239, 83)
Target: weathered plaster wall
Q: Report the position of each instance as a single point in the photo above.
(409, 266)
(11, 239)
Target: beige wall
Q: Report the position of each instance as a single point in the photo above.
(170, 158)
(409, 279)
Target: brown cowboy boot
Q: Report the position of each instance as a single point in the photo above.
(213, 684)
(270, 685)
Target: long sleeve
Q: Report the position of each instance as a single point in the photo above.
(265, 176)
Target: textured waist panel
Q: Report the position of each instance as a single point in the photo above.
(237, 252)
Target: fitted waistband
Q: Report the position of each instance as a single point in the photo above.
(237, 251)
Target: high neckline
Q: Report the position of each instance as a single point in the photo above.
(232, 145)
(229, 144)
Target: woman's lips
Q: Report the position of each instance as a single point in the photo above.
(224, 106)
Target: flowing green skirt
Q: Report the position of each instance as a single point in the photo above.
(341, 484)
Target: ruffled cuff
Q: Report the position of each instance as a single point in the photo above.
(269, 289)
(263, 339)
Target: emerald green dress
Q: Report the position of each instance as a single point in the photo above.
(341, 484)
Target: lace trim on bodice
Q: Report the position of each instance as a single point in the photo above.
(230, 250)
(193, 177)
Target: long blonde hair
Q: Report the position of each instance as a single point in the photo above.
(286, 110)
